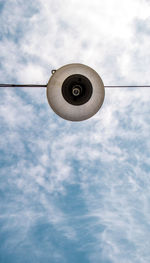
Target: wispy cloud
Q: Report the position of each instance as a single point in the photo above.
(74, 192)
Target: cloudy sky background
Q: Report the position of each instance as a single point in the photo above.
(75, 192)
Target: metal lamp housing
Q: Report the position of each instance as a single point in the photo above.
(75, 92)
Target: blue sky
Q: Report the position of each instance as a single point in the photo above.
(74, 192)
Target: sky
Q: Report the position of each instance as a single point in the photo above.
(75, 192)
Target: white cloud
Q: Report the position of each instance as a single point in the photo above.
(111, 149)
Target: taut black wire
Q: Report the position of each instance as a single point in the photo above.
(44, 86)
(130, 86)
(23, 85)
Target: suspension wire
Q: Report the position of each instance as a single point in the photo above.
(128, 86)
(23, 85)
(45, 85)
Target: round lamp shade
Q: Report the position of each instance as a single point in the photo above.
(75, 92)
